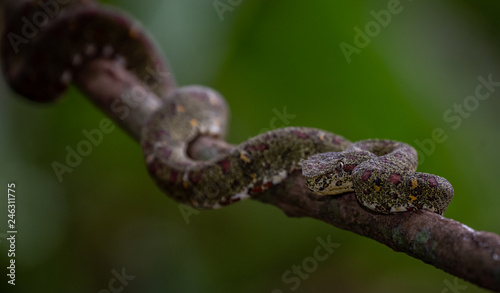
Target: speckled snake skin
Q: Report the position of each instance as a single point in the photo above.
(382, 173)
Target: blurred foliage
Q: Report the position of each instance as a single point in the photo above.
(264, 55)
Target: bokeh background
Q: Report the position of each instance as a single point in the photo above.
(261, 55)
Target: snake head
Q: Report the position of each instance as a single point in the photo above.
(328, 173)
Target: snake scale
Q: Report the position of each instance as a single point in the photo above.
(382, 173)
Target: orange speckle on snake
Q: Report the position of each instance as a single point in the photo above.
(244, 158)
(133, 33)
(181, 109)
(414, 183)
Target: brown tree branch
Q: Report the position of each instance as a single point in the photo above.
(444, 243)
(118, 93)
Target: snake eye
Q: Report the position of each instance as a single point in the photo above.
(341, 165)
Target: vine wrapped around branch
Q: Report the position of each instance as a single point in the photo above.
(108, 82)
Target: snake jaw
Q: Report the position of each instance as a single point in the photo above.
(326, 174)
(330, 184)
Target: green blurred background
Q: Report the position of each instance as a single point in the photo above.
(262, 55)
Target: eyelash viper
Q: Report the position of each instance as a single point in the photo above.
(383, 175)
(381, 172)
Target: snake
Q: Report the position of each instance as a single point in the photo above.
(382, 173)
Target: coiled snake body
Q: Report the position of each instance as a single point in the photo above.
(381, 172)
(250, 168)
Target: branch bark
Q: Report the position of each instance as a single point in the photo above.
(444, 243)
(111, 87)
